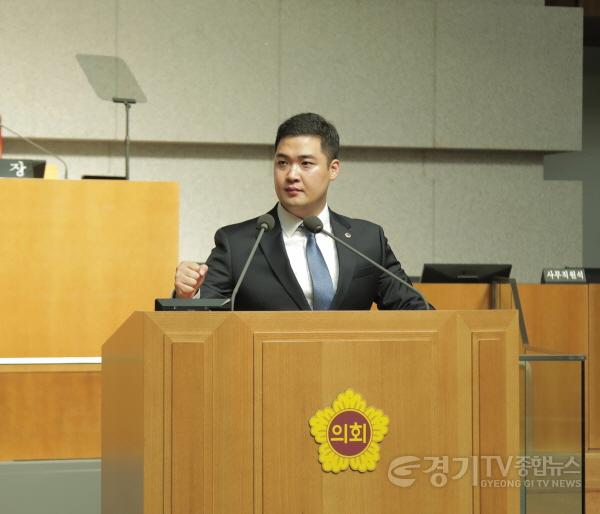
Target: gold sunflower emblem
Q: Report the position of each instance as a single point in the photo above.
(349, 433)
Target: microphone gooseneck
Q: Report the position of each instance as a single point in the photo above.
(315, 225)
(264, 223)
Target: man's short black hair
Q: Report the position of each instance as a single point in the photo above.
(311, 124)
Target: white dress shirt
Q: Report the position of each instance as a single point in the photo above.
(294, 240)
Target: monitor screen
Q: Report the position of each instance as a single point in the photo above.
(464, 273)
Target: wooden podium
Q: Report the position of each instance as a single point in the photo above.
(209, 412)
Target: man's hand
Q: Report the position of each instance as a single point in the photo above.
(189, 276)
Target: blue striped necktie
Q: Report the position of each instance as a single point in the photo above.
(323, 292)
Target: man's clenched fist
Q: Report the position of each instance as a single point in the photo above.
(189, 276)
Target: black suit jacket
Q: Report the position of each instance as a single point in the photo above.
(270, 283)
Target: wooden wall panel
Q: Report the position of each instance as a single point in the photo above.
(77, 259)
(457, 296)
(81, 256)
(592, 469)
(557, 321)
(593, 368)
(556, 317)
(49, 415)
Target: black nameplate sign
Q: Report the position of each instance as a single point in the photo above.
(22, 168)
(563, 276)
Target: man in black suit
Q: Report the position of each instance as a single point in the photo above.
(294, 270)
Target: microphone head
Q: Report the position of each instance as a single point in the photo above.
(265, 221)
(313, 224)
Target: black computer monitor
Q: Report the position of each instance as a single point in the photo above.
(464, 273)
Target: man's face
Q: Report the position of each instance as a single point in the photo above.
(302, 175)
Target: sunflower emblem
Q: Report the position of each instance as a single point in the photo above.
(349, 433)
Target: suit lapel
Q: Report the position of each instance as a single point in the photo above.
(346, 259)
(275, 254)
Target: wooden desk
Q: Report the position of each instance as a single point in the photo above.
(76, 258)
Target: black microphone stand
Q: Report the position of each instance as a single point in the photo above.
(264, 223)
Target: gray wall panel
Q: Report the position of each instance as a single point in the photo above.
(499, 2)
(209, 69)
(366, 65)
(492, 207)
(508, 77)
(219, 185)
(389, 187)
(584, 165)
(392, 73)
(50, 487)
(43, 91)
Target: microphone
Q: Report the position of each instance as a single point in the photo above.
(313, 224)
(39, 147)
(264, 223)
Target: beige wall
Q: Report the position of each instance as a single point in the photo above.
(445, 110)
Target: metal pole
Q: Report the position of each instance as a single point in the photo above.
(127, 107)
(127, 103)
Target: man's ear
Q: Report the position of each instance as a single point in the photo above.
(334, 169)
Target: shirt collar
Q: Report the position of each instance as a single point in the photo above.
(290, 223)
